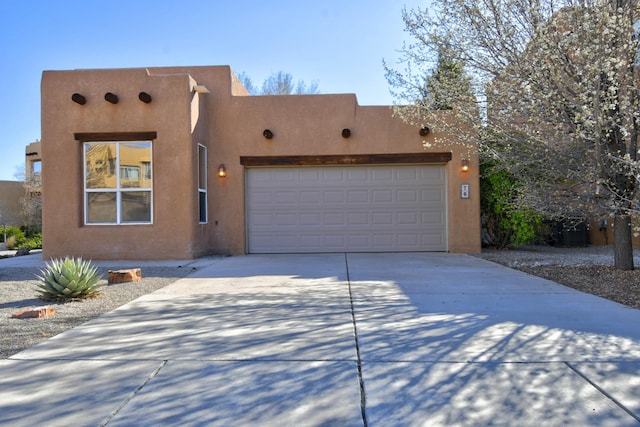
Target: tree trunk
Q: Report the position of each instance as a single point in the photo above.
(622, 244)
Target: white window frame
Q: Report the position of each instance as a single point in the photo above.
(203, 190)
(118, 189)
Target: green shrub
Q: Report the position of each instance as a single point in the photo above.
(68, 279)
(15, 237)
(33, 242)
(505, 222)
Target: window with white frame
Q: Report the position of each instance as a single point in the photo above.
(202, 183)
(118, 182)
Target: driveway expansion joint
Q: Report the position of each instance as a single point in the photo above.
(603, 392)
(363, 395)
(133, 394)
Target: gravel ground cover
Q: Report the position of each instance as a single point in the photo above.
(18, 290)
(586, 269)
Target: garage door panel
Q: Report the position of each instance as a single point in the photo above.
(381, 176)
(333, 174)
(382, 218)
(359, 218)
(409, 240)
(359, 241)
(284, 176)
(384, 241)
(286, 219)
(436, 218)
(334, 196)
(382, 196)
(261, 219)
(352, 208)
(407, 195)
(333, 219)
(431, 195)
(310, 219)
(408, 174)
(410, 218)
(309, 175)
(313, 197)
(358, 196)
(334, 241)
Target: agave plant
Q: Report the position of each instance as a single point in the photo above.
(68, 279)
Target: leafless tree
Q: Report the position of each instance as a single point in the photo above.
(279, 83)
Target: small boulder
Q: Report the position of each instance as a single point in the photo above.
(23, 251)
(124, 276)
(34, 313)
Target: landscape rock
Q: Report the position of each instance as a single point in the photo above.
(34, 313)
(124, 276)
(23, 251)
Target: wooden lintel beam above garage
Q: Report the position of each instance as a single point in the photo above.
(347, 159)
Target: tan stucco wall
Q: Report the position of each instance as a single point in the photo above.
(11, 194)
(600, 237)
(230, 124)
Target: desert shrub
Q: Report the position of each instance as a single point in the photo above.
(68, 279)
(15, 236)
(33, 242)
(11, 242)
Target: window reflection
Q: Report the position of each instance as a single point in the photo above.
(135, 165)
(136, 206)
(99, 161)
(101, 207)
(110, 168)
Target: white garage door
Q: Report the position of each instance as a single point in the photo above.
(346, 209)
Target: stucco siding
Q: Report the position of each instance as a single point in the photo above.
(206, 105)
(11, 194)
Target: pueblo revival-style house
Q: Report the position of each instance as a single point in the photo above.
(181, 162)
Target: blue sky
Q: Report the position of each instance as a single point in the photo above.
(338, 43)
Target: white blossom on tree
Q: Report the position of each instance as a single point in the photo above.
(557, 87)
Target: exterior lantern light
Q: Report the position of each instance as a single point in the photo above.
(267, 134)
(222, 171)
(465, 165)
(346, 133)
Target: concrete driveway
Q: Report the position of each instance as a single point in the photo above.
(344, 340)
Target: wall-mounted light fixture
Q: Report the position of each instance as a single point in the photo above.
(222, 171)
(464, 167)
(424, 131)
(267, 134)
(346, 133)
(111, 97)
(144, 97)
(78, 99)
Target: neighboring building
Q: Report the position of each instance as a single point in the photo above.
(180, 162)
(33, 161)
(11, 194)
(32, 200)
(14, 205)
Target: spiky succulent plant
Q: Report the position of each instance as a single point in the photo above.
(68, 279)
